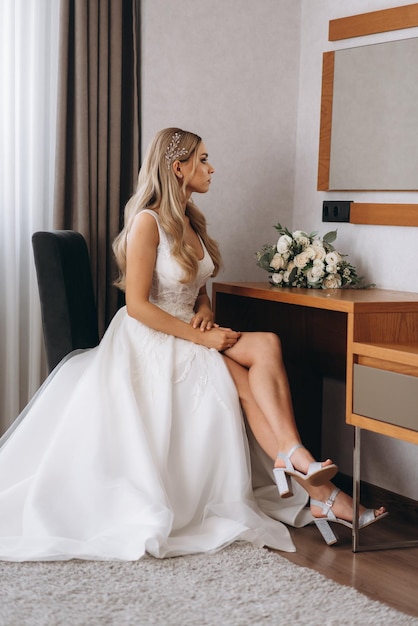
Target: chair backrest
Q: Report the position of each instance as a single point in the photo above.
(69, 316)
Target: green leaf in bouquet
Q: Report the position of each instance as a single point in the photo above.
(292, 275)
(283, 230)
(264, 257)
(330, 237)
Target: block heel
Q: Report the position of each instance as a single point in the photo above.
(323, 524)
(283, 482)
(330, 537)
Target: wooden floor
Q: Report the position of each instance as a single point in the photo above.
(389, 576)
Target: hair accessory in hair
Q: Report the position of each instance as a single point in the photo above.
(172, 152)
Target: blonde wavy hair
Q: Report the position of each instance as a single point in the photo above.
(158, 188)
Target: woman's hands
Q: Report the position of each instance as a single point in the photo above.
(219, 337)
(203, 317)
(203, 320)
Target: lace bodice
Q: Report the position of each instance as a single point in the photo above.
(167, 291)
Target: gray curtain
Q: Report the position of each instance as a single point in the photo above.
(98, 130)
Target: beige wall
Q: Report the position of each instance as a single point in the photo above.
(247, 76)
(228, 70)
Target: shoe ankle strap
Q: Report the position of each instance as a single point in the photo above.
(291, 451)
(327, 506)
(330, 502)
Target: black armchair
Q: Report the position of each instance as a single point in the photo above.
(69, 316)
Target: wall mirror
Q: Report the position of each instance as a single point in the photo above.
(371, 118)
(374, 127)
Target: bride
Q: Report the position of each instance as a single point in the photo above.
(139, 445)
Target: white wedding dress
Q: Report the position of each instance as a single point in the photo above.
(138, 446)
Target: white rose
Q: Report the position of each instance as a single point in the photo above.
(332, 282)
(310, 251)
(312, 276)
(319, 249)
(317, 270)
(333, 258)
(277, 262)
(319, 263)
(284, 243)
(277, 278)
(301, 238)
(332, 269)
(301, 260)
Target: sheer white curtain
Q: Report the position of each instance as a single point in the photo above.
(28, 100)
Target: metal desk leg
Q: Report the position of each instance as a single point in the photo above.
(356, 488)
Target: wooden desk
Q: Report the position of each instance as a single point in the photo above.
(367, 338)
(323, 333)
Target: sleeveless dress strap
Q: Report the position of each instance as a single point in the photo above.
(161, 232)
(154, 215)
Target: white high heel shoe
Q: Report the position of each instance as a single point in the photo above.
(323, 523)
(317, 473)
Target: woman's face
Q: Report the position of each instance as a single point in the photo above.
(199, 180)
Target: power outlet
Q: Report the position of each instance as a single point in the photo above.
(336, 210)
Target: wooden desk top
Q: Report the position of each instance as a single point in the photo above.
(344, 300)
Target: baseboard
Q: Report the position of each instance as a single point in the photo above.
(373, 496)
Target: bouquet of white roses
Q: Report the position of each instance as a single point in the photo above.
(302, 260)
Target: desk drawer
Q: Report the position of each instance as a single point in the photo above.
(385, 396)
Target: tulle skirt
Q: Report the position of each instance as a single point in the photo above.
(137, 446)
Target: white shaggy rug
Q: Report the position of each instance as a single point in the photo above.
(238, 586)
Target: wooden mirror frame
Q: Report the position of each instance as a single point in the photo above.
(356, 26)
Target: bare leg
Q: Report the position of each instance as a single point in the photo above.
(268, 392)
(270, 443)
(260, 427)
